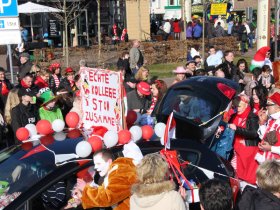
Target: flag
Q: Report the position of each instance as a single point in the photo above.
(36, 150)
(169, 131)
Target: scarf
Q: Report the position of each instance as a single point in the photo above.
(154, 101)
(256, 108)
(41, 83)
(4, 90)
(56, 80)
(23, 84)
(240, 121)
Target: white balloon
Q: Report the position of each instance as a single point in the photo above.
(32, 129)
(58, 125)
(110, 139)
(83, 149)
(159, 129)
(138, 118)
(60, 136)
(136, 133)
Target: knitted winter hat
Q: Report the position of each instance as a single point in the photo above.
(259, 58)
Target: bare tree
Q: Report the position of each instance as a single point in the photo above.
(71, 11)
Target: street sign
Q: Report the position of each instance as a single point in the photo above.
(10, 37)
(218, 9)
(9, 23)
(8, 8)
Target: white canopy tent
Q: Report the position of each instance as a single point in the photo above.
(32, 8)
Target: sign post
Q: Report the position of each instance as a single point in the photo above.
(9, 27)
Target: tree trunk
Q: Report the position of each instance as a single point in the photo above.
(139, 19)
(66, 34)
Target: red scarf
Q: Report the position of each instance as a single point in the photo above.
(41, 83)
(24, 85)
(5, 89)
(256, 108)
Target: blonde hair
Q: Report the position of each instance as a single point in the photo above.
(44, 72)
(268, 176)
(12, 101)
(139, 74)
(152, 169)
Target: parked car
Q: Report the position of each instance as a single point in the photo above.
(30, 168)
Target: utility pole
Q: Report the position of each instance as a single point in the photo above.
(277, 2)
(203, 30)
(183, 16)
(99, 31)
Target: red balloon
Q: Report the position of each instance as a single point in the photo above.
(44, 127)
(96, 143)
(72, 119)
(73, 134)
(27, 146)
(22, 134)
(124, 136)
(47, 140)
(131, 117)
(147, 132)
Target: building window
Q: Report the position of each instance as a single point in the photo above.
(172, 2)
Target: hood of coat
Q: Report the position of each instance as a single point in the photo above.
(146, 195)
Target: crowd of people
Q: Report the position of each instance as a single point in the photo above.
(47, 93)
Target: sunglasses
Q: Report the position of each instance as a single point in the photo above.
(270, 104)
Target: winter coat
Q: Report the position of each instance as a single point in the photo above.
(136, 102)
(229, 69)
(24, 69)
(65, 84)
(136, 58)
(22, 115)
(219, 31)
(52, 85)
(156, 196)
(115, 190)
(176, 27)
(258, 199)
(249, 133)
(189, 32)
(197, 31)
(50, 115)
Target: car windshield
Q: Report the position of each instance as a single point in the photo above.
(22, 167)
(190, 105)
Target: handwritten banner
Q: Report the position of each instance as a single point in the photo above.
(101, 98)
(218, 9)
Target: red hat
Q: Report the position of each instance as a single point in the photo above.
(144, 88)
(275, 98)
(54, 66)
(69, 70)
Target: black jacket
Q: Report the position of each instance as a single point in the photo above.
(136, 102)
(229, 69)
(52, 83)
(250, 132)
(65, 84)
(258, 199)
(22, 115)
(24, 69)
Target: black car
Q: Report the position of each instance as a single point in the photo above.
(32, 168)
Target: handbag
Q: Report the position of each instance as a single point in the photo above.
(223, 141)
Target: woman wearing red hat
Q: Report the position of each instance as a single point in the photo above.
(56, 77)
(68, 83)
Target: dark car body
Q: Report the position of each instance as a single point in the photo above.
(38, 170)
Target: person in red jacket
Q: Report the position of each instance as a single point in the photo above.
(176, 29)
